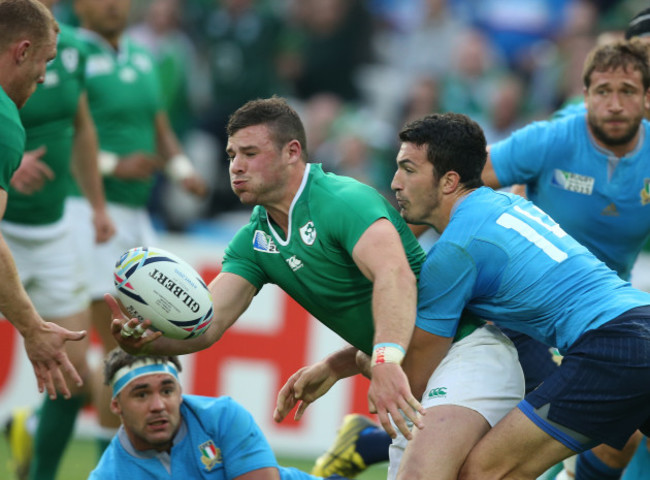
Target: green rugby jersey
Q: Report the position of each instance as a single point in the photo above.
(314, 263)
(48, 118)
(124, 98)
(12, 139)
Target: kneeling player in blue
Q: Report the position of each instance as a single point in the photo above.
(165, 434)
(504, 260)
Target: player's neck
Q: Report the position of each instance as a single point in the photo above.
(280, 208)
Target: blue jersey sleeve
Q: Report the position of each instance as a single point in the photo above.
(244, 446)
(446, 283)
(520, 158)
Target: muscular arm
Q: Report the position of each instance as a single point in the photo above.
(231, 296)
(268, 473)
(312, 382)
(380, 256)
(177, 166)
(84, 163)
(166, 141)
(44, 341)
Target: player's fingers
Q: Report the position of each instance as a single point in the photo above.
(372, 408)
(401, 424)
(45, 170)
(384, 419)
(41, 378)
(48, 381)
(285, 392)
(114, 307)
(301, 409)
(139, 330)
(59, 381)
(126, 330)
(68, 368)
(150, 338)
(284, 405)
(74, 335)
(413, 410)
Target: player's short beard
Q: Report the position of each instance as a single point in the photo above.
(606, 139)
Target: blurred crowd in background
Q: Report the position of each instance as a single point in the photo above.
(357, 70)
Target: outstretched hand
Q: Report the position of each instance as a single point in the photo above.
(45, 347)
(389, 395)
(303, 387)
(132, 335)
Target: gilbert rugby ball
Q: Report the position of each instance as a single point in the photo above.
(157, 285)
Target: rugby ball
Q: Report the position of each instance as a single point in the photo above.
(157, 285)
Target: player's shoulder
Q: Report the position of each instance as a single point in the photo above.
(11, 127)
(332, 190)
(69, 35)
(211, 410)
(479, 205)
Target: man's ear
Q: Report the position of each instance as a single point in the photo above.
(450, 182)
(21, 51)
(115, 407)
(294, 150)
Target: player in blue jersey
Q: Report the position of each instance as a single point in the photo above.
(505, 260)
(165, 434)
(588, 171)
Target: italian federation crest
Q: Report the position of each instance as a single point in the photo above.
(645, 192)
(308, 233)
(210, 454)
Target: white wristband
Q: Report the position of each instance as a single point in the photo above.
(179, 167)
(107, 162)
(387, 353)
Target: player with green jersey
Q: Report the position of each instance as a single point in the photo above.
(27, 43)
(321, 275)
(135, 141)
(340, 250)
(12, 140)
(59, 137)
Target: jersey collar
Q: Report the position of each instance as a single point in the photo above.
(277, 235)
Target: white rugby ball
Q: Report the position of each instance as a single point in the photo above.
(157, 285)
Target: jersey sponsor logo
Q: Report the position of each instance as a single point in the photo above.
(610, 210)
(308, 233)
(295, 263)
(572, 182)
(439, 392)
(98, 65)
(128, 75)
(262, 242)
(70, 59)
(210, 454)
(645, 192)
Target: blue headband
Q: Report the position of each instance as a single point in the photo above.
(147, 366)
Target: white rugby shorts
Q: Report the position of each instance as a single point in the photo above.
(47, 267)
(480, 372)
(133, 229)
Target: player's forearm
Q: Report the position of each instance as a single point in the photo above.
(167, 143)
(15, 305)
(394, 306)
(342, 363)
(84, 156)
